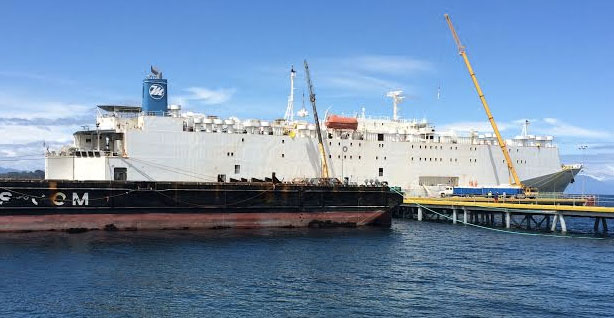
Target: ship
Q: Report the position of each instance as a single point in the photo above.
(158, 142)
(97, 185)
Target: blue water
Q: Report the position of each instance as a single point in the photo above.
(413, 269)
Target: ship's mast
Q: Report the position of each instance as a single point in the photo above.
(525, 128)
(506, 154)
(289, 116)
(312, 99)
(397, 98)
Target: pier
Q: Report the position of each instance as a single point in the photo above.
(530, 214)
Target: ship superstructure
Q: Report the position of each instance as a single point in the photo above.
(160, 142)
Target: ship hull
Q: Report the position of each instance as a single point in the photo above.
(554, 182)
(79, 206)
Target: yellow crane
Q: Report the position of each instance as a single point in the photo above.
(506, 154)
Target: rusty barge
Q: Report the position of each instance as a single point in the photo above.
(42, 205)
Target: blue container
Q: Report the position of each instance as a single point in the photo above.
(155, 95)
(471, 191)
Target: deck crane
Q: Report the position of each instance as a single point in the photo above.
(506, 154)
(312, 99)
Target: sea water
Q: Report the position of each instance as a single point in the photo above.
(412, 269)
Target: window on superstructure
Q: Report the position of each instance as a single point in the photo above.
(412, 158)
(283, 141)
(283, 155)
(350, 157)
(380, 137)
(120, 174)
(384, 158)
(88, 140)
(339, 144)
(338, 156)
(359, 157)
(237, 169)
(381, 172)
(242, 139)
(376, 157)
(350, 144)
(330, 157)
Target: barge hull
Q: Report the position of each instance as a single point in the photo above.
(158, 221)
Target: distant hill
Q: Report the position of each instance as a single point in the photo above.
(590, 186)
(12, 174)
(3, 170)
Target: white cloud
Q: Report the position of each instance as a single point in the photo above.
(556, 127)
(385, 64)
(479, 126)
(546, 126)
(17, 134)
(599, 166)
(358, 82)
(36, 77)
(32, 108)
(205, 96)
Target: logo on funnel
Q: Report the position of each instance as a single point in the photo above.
(156, 91)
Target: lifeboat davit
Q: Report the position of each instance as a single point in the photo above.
(340, 122)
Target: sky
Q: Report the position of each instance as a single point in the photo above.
(545, 61)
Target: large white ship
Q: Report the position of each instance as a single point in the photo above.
(160, 142)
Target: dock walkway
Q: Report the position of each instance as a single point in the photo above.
(485, 211)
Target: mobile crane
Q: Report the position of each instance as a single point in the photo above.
(514, 180)
(312, 99)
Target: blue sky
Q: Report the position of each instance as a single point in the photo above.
(548, 61)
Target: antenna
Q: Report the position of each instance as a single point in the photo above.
(155, 72)
(397, 98)
(289, 116)
(303, 111)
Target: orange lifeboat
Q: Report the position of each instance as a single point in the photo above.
(340, 122)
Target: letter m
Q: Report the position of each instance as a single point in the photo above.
(83, 201)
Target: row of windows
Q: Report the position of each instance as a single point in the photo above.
(330, 143)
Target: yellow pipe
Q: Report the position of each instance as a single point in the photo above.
(506, 154)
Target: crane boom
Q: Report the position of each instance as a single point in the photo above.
(506, 154)
(312, 99)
